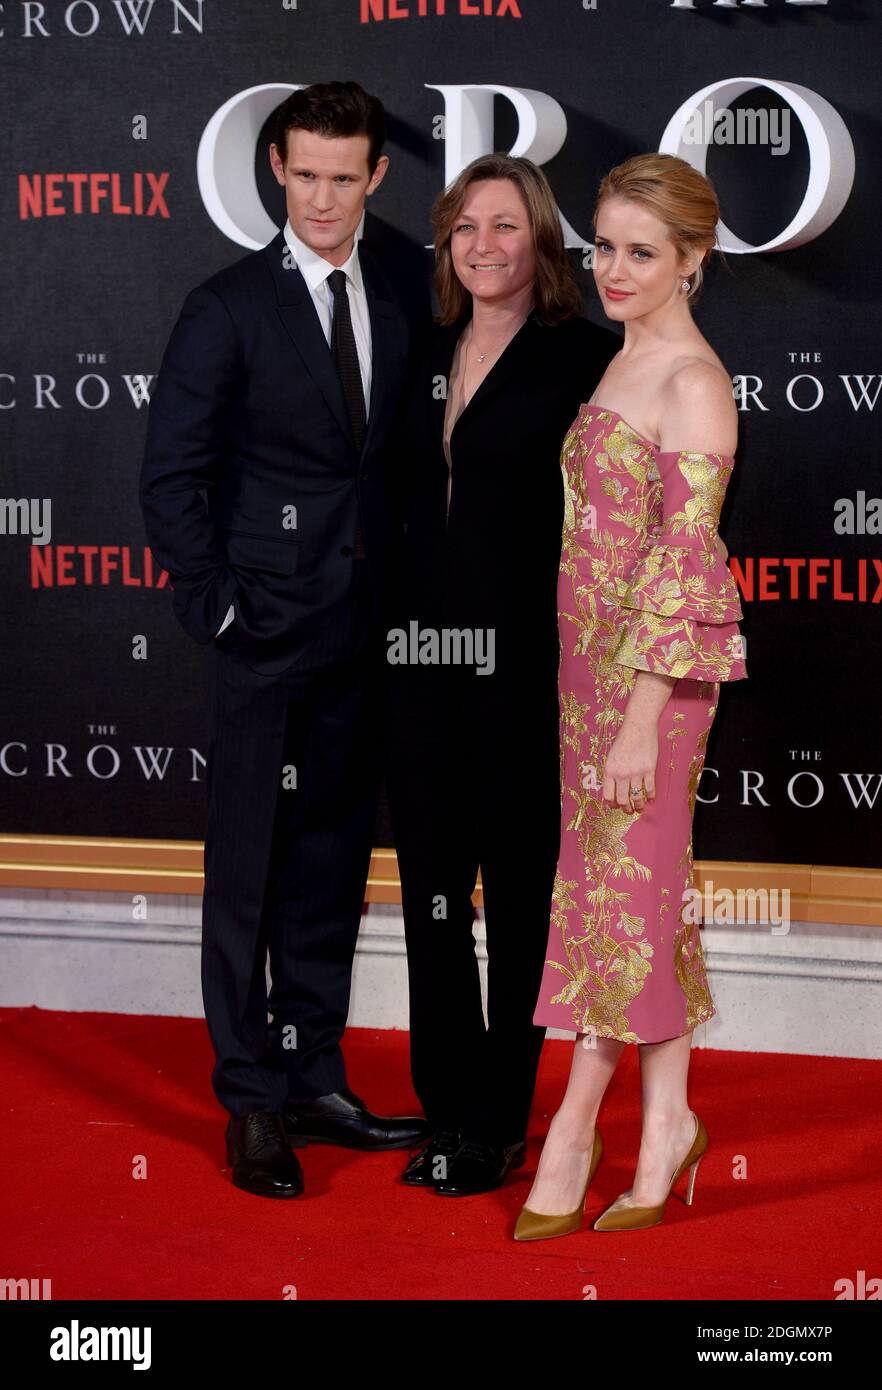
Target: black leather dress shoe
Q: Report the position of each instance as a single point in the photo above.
(477, 1167)
(260, 1156)
(343, 1118)
(423, 1168)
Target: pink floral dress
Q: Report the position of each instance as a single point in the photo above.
(642, 587)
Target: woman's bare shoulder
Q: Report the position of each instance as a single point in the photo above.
(697, 409)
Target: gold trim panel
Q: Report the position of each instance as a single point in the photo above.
(818, 892)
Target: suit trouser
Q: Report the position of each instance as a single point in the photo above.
(292, 776)
(471, 784)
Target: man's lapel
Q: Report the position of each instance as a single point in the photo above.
(297, 312)
(388, 347)
(388, 338)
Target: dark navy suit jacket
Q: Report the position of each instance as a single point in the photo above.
(251, 477)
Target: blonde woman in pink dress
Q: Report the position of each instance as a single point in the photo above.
(648, 614)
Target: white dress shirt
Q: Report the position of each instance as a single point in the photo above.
(315, 271)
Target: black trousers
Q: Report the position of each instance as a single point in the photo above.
(292, 774)
(474, 782)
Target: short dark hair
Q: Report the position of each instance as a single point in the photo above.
(333, 109)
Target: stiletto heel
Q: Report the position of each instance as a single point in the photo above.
(535, 1225)
(693, 1172)
(621, 1216)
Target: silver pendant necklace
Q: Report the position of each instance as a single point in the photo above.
(480, 356)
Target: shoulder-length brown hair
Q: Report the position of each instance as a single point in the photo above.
(557, 294)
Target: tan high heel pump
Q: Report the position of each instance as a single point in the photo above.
(535, 1225)
(622, 1217)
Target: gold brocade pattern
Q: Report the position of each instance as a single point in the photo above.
(641, 587)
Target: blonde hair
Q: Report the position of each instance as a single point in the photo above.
(556, 291)
(678, 195)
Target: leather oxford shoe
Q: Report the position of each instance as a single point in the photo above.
(260, 1156)
(423, 1168)
(343, 1118)
(477, 1167)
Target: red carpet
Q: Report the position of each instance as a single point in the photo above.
(85, 1094)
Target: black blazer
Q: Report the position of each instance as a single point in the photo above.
(493, 563)
(247, 419)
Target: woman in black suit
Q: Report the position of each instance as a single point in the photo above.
(473, 775)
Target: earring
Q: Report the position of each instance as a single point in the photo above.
(685, 286)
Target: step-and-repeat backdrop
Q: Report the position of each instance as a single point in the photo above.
(135, 165)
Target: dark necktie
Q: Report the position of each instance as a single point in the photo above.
(346, 358)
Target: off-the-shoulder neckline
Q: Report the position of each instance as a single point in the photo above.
(656, 448)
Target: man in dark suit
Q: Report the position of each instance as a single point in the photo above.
(266, 495)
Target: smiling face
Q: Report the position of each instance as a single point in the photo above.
(326, 180)
(636, 266)
(491, 243)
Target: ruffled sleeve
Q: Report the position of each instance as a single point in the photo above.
(679, 605)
